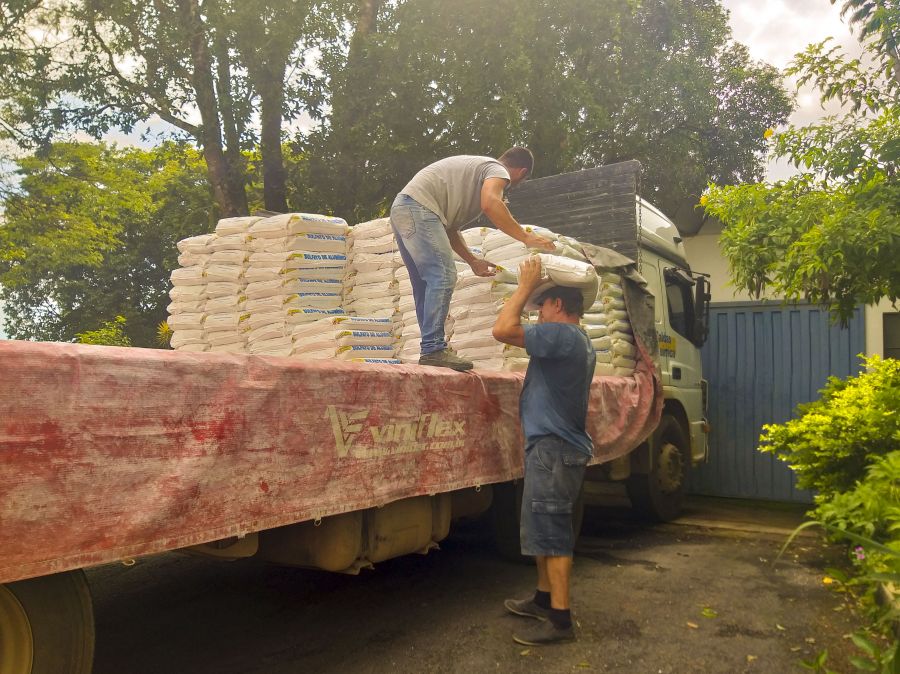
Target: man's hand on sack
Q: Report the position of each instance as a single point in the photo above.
(530, 274)
(538, 241)
(483, 267)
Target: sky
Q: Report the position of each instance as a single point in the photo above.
(775, 30)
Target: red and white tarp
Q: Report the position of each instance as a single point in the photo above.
(109, 453)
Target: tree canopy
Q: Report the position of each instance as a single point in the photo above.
(581, 83)
(830, 234)
(403, 82)
(90, 235)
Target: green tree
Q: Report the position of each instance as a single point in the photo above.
(831, 234)
(274, 43)
(90, 234)
(880, 20)
(581, 82)
(210, 69)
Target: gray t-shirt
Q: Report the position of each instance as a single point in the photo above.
(451, 187)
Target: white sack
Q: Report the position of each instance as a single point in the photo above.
(188, 276)
(188, 293)
(187, 307)
(196, 244)
(239, 225)
(221, 289)
(187, 321)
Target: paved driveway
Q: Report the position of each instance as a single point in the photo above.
(702, 596)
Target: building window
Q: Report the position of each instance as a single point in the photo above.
(891, 323)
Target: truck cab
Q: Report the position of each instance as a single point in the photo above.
(681, 317)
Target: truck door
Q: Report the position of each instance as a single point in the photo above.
(679, 347)
(683, 354)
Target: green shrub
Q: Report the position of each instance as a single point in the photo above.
(834, 439)
(872, 507)
(111, 333)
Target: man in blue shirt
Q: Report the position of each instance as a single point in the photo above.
(553, 408)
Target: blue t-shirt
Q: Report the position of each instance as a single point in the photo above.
(557, 384)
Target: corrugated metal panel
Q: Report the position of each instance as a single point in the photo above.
(595, 205)
(761, 361)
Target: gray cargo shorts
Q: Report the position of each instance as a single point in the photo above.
(554, 473)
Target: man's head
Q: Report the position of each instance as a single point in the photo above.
(519, 162)
(560, 304)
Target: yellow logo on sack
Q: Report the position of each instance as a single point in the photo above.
(426, 432)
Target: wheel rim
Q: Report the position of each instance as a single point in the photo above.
(16, 641)
(671, 468)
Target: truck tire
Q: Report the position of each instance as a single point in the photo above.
(47, 625)
(659, 495)
(506, 510)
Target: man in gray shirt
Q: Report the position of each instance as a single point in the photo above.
(427, 217)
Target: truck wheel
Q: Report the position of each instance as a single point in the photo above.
(47, 625)
(659, 495)
(506, 512)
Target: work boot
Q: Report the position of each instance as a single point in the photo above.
(527, 608)
(446, 358)
(544, 632)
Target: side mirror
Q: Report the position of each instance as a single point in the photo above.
(702, 297)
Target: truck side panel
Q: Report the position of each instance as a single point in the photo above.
(109, 453)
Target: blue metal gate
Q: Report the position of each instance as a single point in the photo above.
(761, 361)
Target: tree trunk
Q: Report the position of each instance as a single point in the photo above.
(365, 26)
(348, 113)
(231, 198)
(365, 23)
(236, 165)
(271, 91)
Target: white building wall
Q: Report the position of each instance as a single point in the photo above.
(875, 326)
(704, 255)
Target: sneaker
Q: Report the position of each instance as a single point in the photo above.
(446, 358)
(545, 632)
(527, 608)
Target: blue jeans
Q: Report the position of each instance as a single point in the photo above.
(554, 473)
(427, 254)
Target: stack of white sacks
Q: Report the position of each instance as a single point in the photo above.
(368, 339)
(607, 324)
(371, 287)
(254, 280)
(310, 286)
(295, 276)
(210, 283)
(477, 300)
(367, 332)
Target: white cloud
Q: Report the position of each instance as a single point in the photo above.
(774, 31)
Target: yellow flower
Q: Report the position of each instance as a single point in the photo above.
(768, 133)
(703, 200)
(827, 580)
